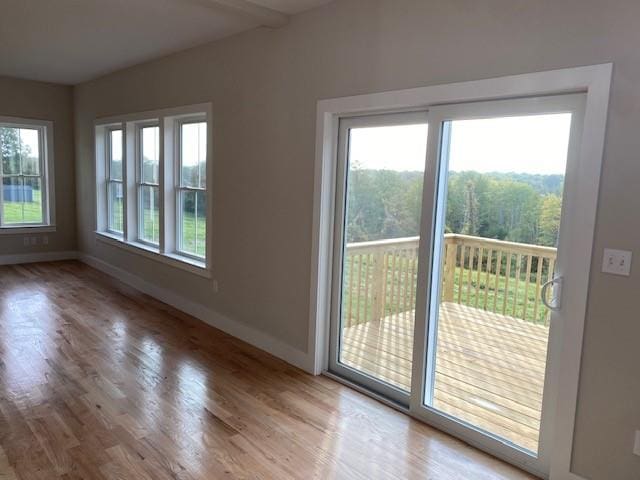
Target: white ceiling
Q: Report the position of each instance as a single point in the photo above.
(71, 41)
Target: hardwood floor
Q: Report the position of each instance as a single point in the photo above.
(100, 382)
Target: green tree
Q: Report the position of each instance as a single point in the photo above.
(10, 147)
(387, 204)
(549, 220)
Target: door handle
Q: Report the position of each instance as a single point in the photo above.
(556, 301)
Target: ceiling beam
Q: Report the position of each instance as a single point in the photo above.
(267, 17)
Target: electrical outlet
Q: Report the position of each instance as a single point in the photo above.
(34, 240)
(25, 241)
(45, 239)
(617, 262)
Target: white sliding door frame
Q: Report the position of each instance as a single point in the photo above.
(594, 81)
(432, 231)
(350, 372)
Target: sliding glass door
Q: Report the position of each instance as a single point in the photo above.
(502, 173)
(379, 202)
(449, 257)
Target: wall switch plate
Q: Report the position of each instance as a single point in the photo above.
(617, 262)
(636, 447)
(215, 286)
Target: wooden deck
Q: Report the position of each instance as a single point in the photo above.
(489, 367)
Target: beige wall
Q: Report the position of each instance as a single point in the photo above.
(45, 101)
(264, 86)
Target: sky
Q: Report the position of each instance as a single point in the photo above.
(29, 138)
(151, 143)
(194, 143)
(535, 144)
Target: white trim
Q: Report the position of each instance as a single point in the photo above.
(148, 115)
(22, 229)
(179, 188)
(393, 392)
(234, 328)
(15, 259)
(47, 172)
(431, 248)
(168, 121)
(174, 260)
(594, 80)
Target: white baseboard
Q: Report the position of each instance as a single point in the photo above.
(236, 329)
(37, 257)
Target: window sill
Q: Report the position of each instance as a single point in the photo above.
(184, 263)
(22, 229)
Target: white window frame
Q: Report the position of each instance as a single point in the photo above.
(108, 148)
(169, 121)
(180, 188)
(140, 183)
(46, 176)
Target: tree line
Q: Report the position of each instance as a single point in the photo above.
(516, 207)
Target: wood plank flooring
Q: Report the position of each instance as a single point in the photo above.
(489, 367)
(100, 382)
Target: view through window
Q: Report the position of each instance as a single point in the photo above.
(23, 176)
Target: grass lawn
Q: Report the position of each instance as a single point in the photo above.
(19, 212)
(499, 296)
(194, 232)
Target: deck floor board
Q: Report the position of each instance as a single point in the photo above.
(489, 367)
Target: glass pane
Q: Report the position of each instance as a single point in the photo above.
(382, 227)
(32, 196)
(193, 234)
(116, 199)
(150, 154)
(504, 180)
(10, 149)
(193, 154)
(115, 149)
(13, 200)
(22, 200)
(150, 216)
(30, 151)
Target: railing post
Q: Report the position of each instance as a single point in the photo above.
(379, 285)
(451, 249)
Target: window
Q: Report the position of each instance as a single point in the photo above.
(149, 184)
(115, 192)
(152, 184)
(24, 188)
(192, 188)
